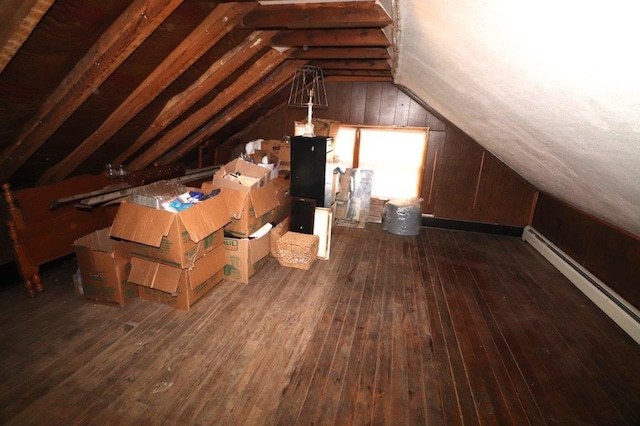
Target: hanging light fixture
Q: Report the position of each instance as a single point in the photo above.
(307, 90)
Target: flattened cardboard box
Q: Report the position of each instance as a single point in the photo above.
(177, 239)
(104, 268)
(244, 256)
(176, 287)
(250, 208)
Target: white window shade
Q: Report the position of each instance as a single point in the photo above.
(396, 157)
(344, 145)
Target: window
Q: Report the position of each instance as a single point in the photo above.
(396, 157)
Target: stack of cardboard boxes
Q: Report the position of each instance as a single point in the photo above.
(174, 258)
(260, 200)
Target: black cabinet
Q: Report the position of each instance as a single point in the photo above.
(311, 179)
(311, 169)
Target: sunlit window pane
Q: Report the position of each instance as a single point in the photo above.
(343, 146)
(396, 157)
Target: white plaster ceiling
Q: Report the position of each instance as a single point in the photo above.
(552, 88)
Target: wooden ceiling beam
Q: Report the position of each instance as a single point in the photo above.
(119, 41)
(19, 18)
(367, 37)
(341, 53)
(358, 79)
(258, 70)
(361, 73)
(372, 64)
(318, 15)
(275, 81)
(217, 72)
(218, 23)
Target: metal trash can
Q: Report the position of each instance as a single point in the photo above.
(403, 216)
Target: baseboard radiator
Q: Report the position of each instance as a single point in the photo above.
(619, 310)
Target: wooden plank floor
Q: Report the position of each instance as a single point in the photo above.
(444, 328)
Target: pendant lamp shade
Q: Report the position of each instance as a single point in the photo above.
(308, 90)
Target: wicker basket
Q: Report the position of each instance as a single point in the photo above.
(297, 250)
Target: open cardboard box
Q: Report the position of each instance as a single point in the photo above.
(228, 175)
(273, 162)
(250, 208)
(104, 268)
(177, 287)
(177, 239)
(244, 256)
(281, 149)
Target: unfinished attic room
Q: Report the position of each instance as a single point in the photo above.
(279, 212)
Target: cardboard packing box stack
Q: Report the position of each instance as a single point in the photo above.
(252, 202)
(254, 199)
(176, 257)
(104, 269)
(245, 256)
(248, 194)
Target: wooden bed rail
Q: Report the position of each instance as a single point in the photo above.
(40, 234)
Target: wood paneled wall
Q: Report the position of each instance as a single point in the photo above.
(462, 181)
(609, 253)
(466, 182)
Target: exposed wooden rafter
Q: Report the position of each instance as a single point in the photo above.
(101, 103)
(318, 15)
(356, 78)
(211, 78)
(345, 53)
(116, 44)
(260, 69)
(276, 80)
(207, 34)
(353, 65)
(365, 37)
(19, 18)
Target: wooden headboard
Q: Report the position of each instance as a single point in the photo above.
(40, 235)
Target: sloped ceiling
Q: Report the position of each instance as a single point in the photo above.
(550, 88)
(83, 84)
